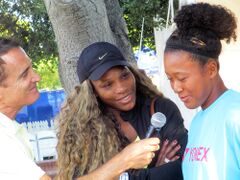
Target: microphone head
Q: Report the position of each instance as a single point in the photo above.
(158, 120)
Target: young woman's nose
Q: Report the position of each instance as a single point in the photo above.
(120, 87)
(176, 86)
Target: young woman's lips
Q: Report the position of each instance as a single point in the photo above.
(125, 99)
(184, 98)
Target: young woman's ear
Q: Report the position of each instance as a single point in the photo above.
(212, 68)
(94, 91)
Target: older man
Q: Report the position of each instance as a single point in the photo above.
(17, 89)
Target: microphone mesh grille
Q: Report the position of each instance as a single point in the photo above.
(158, 120)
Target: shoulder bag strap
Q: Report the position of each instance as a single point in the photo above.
(152, 111)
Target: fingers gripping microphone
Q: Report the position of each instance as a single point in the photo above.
(158, 120)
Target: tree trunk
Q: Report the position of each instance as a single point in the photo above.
(78, 23)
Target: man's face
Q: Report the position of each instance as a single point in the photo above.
(19, 87)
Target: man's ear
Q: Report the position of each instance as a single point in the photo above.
(1, 94)
(212, 68)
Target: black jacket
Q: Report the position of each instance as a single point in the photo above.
(139, 117)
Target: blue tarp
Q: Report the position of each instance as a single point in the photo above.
(45, 108)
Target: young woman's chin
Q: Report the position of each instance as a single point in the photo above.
(127, 107)
(191, 105)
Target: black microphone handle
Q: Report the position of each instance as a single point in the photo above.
(150, 131)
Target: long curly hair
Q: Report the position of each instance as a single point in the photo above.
(87, 136)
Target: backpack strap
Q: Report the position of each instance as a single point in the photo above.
(152, 111)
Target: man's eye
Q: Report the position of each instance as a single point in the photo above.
(25, 74)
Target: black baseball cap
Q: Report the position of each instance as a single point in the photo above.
(98, 58)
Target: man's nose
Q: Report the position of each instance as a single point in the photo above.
(36, 77)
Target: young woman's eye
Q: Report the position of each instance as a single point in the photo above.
(125, 75)
(169, 78)
(107, 85)
(182, 79)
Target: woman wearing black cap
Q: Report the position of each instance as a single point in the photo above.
(191, 64)
(111, 109)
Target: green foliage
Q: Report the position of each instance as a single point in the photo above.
(48, 70)
(27, 21)
(135, 10)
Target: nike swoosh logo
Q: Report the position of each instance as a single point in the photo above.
(101, 57)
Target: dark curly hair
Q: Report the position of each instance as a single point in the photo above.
(200, 27)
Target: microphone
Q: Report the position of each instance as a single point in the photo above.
(158, 120)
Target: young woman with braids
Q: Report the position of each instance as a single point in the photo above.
(192, 66)
(109, 110)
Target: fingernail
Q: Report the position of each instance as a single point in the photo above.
(175, 142)
(166, 141)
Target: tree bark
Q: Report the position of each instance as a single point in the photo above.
(78, 23)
